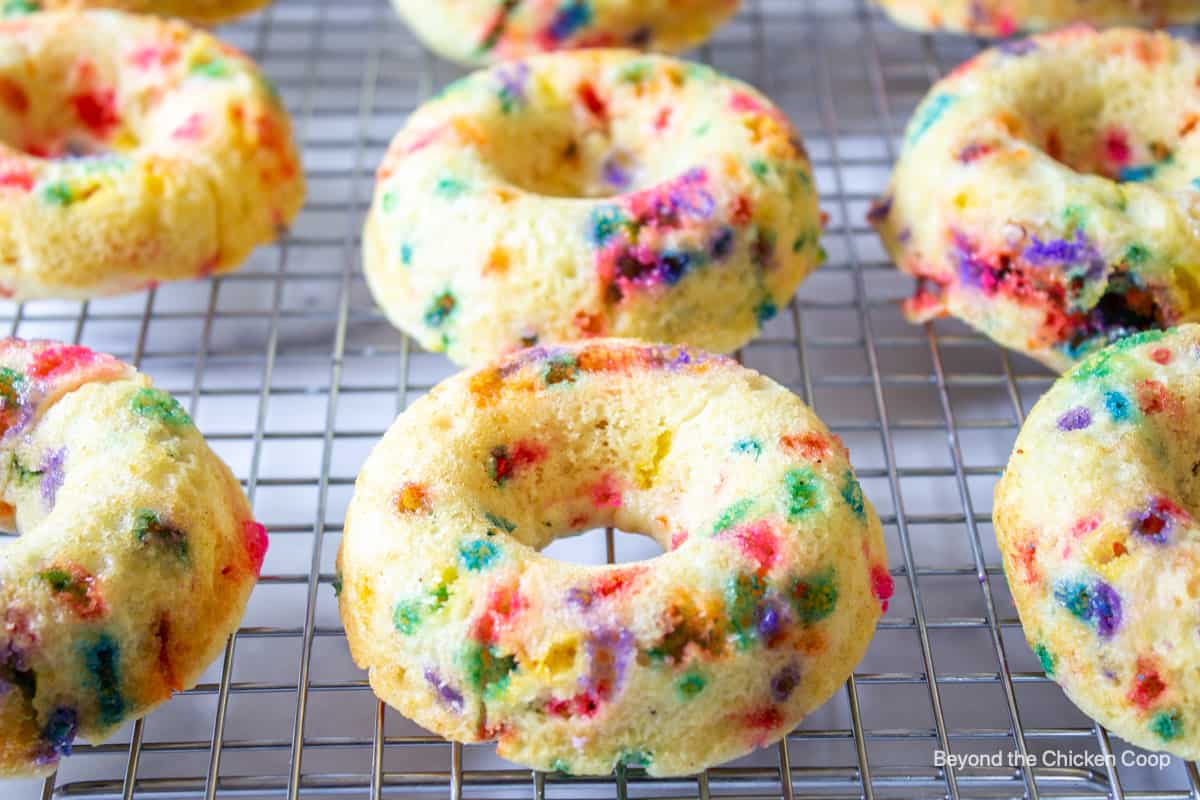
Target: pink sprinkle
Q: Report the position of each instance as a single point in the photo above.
(745, 103)
(254, 536)
(882, 585)
(1116, 146)
(1161, 355)
(606, 493)
(678, 538)
(17, 179)
(191, 129)
(759, 543)
(54, 362)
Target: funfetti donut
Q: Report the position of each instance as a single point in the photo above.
(205, 12)
(133, 150)
(1096, 520)
(484, 31)
(1007, 17)
(585, 194)
(136, 555)
(1048, 192)
(774, 577)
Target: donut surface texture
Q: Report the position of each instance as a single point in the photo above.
(1047, 192)
(1007, 17)
(484, 31)
(774, 577)
(136, 555)
(583, 194)
(202, 12)
(133, 150)
(1095, 518)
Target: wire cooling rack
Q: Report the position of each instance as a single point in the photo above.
(293, 374)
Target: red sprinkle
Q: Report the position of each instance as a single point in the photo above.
(766, 718)
(97, 110)
(1161, 355)
(256, 541)
(1116, 146)
(592, 101)
(882, 585)
(606, 492)
(1147, 685)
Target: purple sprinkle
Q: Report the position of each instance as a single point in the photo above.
(1075, 419)
(615, 174)
(879, 210)
(1018, 47)
(1079, 252)
(609, 652)
(448, 694)
(770, 619)
(52, 475)
(512, 84)
(57, 735)
(579, 598)
(784, 683)
(972, 270)
(1105, 607)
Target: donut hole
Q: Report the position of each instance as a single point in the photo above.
(558, 153)
(591, 547)
(1105, 119)
(61, 105)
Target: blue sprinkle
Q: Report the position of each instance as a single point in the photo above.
(928, 114)
(1135, 174)
(748, 447)
(478, 554)
(1118, 405)
(102, 660)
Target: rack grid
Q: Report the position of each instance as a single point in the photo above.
(292, 373)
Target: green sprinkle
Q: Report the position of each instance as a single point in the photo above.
(12, 386)
(487, 670)
(500, 522)
(803, 493)
(23, 473)
(406, 616)
(635, 758)
(764, 311)
(635, 72)
(561, 767)
(1137, 339)
(449, 187)
(690, 685)
(743, 596)
(337, 584)
(1167, 724)
(733, 515)
(1136, 253)
(13, 8)
(760, 169)
(159, 405)
(814, 597)
(58, 193)
(852, 493)
(389, 202)
(214, 68)
(148, 528)
(1046, 658)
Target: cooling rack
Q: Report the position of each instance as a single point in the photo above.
(292, 373)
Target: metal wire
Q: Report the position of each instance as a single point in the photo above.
(292, 373)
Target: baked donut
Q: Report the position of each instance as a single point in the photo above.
(1047, 194)
(204, 12)
(775, 577)
(1095, 517)
(133, 150)
(1007, 17)
(483, 31)
(590, 193)
(136, 554)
